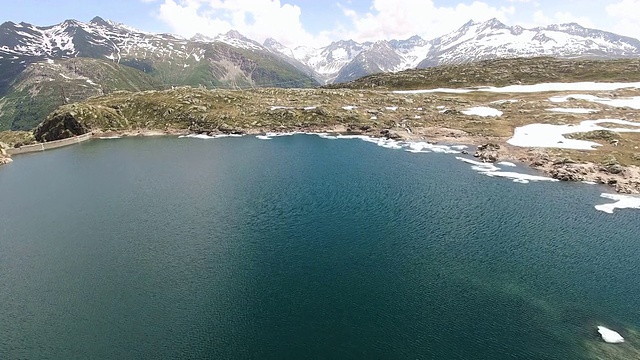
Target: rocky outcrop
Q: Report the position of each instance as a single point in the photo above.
(488, 152)
(59, 126)
(5, 160)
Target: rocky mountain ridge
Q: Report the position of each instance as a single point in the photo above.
(347, 60)
(228, 61)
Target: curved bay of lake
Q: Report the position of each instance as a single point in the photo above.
(301, 247)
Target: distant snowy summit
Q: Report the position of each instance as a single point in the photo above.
(339, 61)
(474, 41)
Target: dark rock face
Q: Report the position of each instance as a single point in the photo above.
(59, 126)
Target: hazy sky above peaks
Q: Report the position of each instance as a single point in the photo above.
(317, 22)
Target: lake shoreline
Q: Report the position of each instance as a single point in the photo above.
(488, 149)
(623, 180)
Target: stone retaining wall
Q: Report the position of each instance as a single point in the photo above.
(49, 145)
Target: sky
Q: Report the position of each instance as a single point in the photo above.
(318, 22)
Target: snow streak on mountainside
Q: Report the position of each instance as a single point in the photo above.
(97, 38)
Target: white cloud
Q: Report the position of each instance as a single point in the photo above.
(383, 19)
(256, 19)
(560, 17)
(392, 19)
(626, 14)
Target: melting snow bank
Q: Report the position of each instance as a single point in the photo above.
(271, 135)
(552, 136)
(410, 146)
(577, 86)
(205, 136)
(631, 102)
(622, 202)
(383, 142)
(491, 170)
(482, 111)
(610, 336)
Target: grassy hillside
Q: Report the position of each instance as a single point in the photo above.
(201, 110)
(44, 86)
(501, 73)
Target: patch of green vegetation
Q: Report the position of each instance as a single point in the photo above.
(42, 87)
(605, 135)
(16, 138)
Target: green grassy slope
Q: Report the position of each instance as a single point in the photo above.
(44, 86)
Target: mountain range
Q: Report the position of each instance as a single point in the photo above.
(344, 61)
(44, 67)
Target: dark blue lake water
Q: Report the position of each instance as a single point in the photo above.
(301, 247)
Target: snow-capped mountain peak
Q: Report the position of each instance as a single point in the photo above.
(235, 39)
(492, 39)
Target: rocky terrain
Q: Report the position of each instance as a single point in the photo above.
(437, 117)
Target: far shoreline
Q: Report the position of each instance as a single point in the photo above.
(488, 150)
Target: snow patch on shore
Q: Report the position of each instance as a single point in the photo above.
(621, 202)
(206, 137)
(383, 142)
(482, 111)
(425, 147)
(491, 170)
(552, 136)
(610, 336)
(271, 135)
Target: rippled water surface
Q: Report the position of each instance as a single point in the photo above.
(301, 247)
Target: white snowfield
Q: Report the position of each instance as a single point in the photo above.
(610, 336)
(630, 102)
(621, 202)
(552, 136)
(573, 110)
(544, 87)
(482, 111)
(491, 170)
